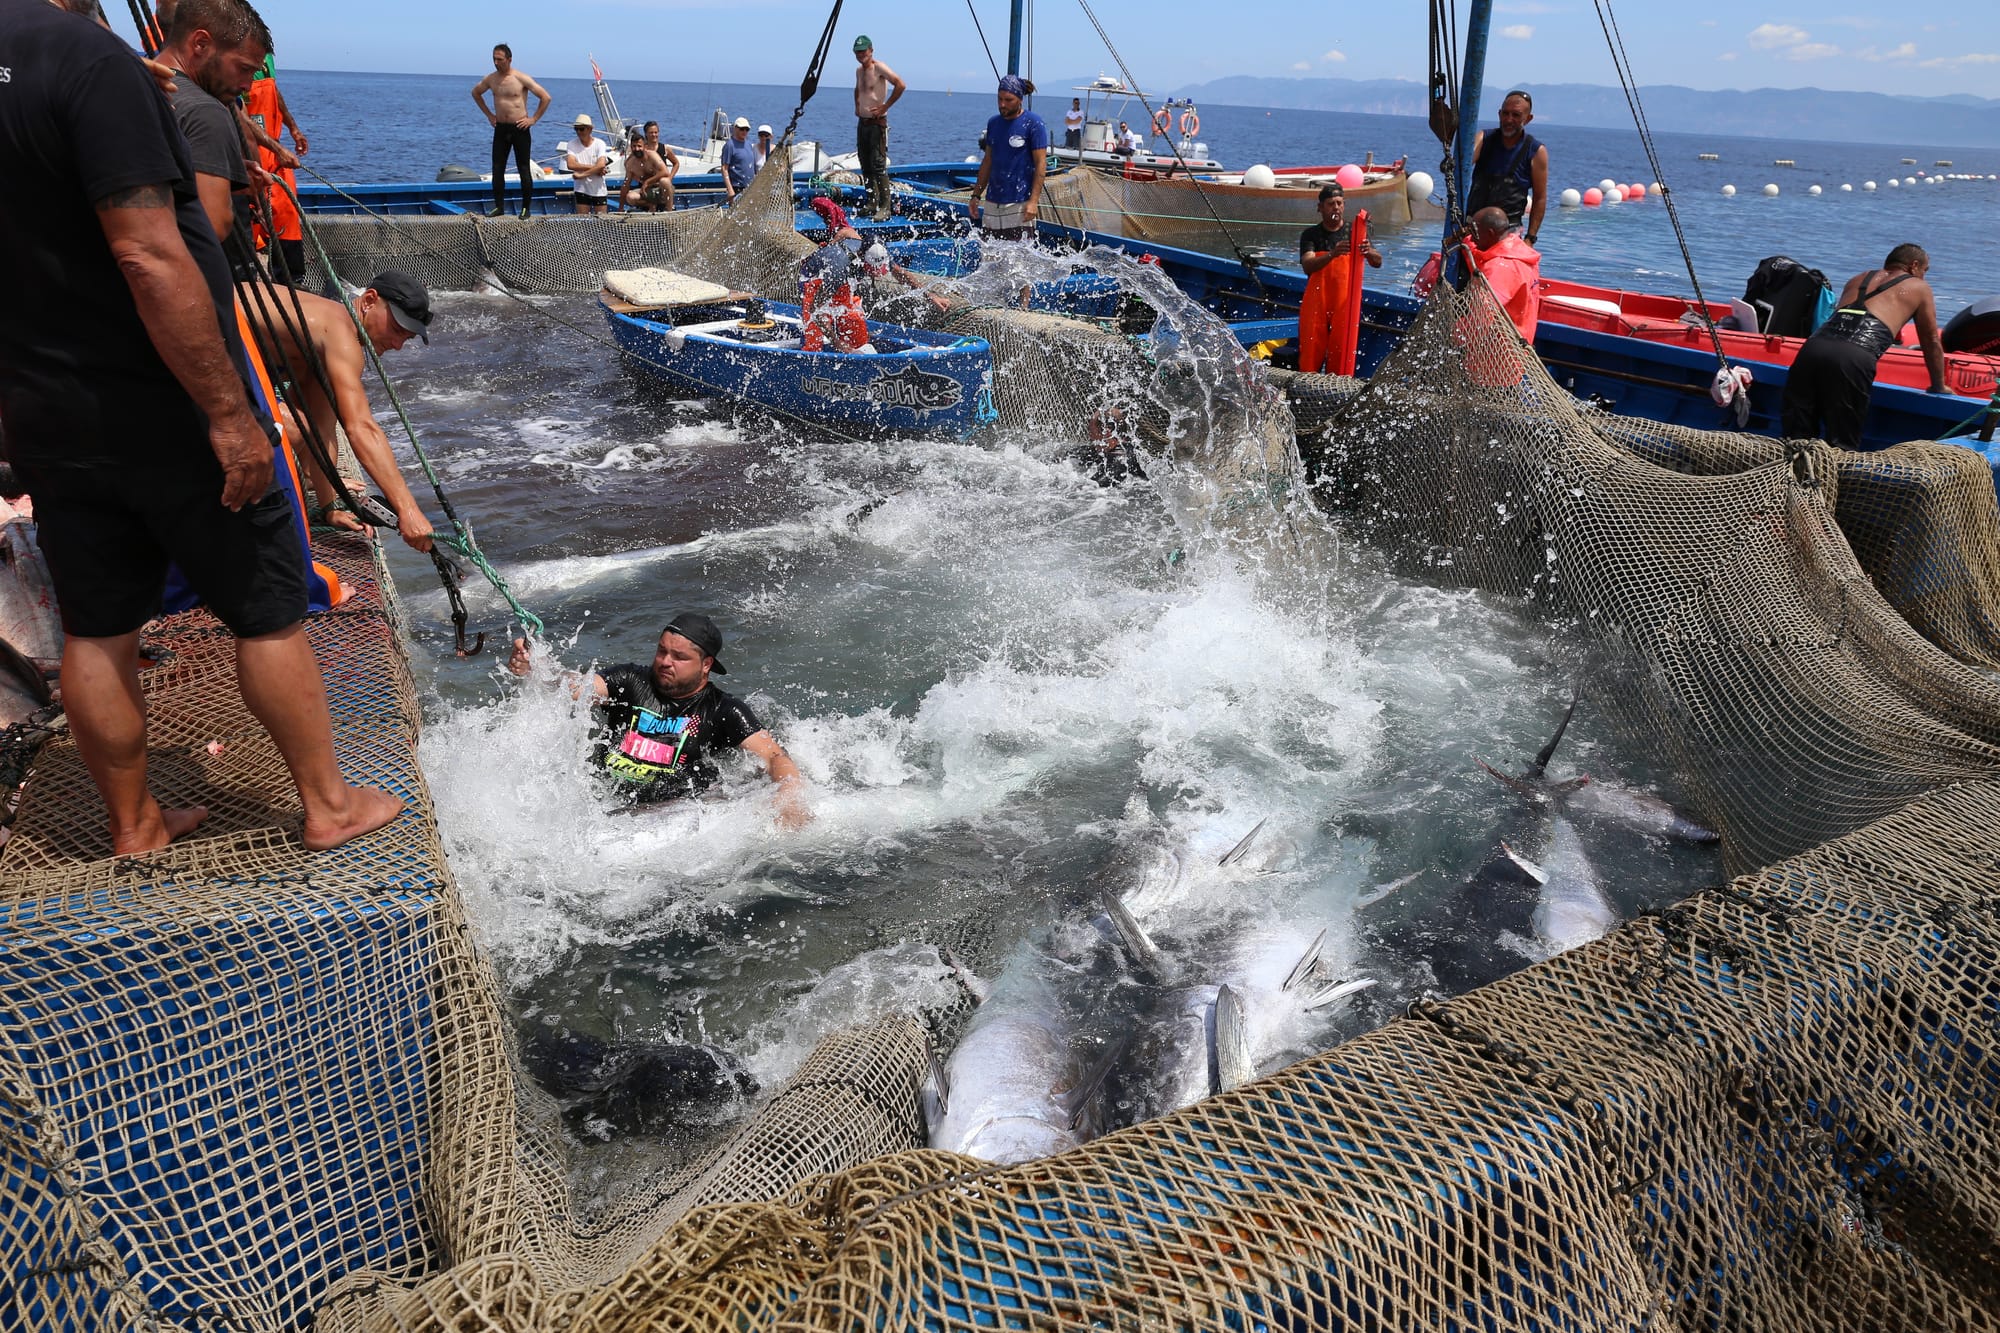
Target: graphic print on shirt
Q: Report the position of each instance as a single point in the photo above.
(653, 746)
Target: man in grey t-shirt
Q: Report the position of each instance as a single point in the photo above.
(215, 48)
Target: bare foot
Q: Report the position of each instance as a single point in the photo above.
(153, 834)
(368, 808)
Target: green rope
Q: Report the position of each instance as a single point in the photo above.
(461, 539)
(1965, 427)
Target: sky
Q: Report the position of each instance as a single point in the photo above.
(1942, 47)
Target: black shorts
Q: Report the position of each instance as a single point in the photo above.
(110, 533)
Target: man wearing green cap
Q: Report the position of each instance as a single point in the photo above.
(876, 88)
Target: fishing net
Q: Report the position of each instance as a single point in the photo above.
(245, 1086)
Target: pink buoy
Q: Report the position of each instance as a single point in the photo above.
(1593, 197)
(1638, 192)
(1349, 176)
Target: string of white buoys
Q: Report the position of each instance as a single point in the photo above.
(1609, 191)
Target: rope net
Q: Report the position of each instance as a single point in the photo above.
(245, 1086)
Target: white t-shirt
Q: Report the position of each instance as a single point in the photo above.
(1132, 140)
(589, 155)
(1073, 119)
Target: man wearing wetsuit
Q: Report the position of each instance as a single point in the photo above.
(1826, 390)
(1510, 166)
(661, 722)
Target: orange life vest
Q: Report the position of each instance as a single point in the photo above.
(262, 104)
(830, 306)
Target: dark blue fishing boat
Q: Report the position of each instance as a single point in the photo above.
(914, 382)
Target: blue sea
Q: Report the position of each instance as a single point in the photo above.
(403, 127)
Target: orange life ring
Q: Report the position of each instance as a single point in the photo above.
(1190, 124)
(1163, 120)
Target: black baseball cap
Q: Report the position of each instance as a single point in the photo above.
(409, 303)
(700, 631)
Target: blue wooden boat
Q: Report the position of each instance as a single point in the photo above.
(915, 382)
(1084, 294)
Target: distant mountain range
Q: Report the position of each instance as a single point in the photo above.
(1957, 121)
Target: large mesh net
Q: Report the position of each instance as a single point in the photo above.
(245, 1086)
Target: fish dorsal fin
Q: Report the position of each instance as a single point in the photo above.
(1382, 891)
(1519, 786)
(1075, 1101)
(1308, 962)
(1139, 947)
(1242, 847)
(1229, 1042)
(1524, 865)
(1548, 751)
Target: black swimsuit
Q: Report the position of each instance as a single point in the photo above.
(1828, 384)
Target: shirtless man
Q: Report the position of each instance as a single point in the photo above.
(876, 89)
(393, 309)
(1829, 383)
(511, 124)
(649, 176)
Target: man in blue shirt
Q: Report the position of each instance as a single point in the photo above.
(739, 159)
(1008, 194)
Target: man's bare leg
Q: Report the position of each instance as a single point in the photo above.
(107, 717)
(280, 681)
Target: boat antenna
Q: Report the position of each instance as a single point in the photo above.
(810, 84)
(982, 38)
(1249, 263)
(1622, 62)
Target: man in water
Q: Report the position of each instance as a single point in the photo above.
(1826, 390)
(394, 308)
(1327, 295)
(661, 723)
(1007, 197)
(876, 89)
(512, 125)
(1510, 166)
(739, 160)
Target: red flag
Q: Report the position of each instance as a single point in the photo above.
(596, 73)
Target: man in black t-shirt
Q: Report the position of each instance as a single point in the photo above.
(215, 48)
(662, 723)
(128, 420)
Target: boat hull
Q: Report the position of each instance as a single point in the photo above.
(919, 383)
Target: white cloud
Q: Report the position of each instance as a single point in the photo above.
(1906, 51)
(1851, 21)
(1727, 55)
(1769, 36)
(1809, 51)
(1335, 57)
(1302, 64)
(1959, 62)
(1519, 32)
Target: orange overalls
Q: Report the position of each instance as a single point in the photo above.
(830, 306)
(262, 104)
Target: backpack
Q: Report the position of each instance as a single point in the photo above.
(1790, 299)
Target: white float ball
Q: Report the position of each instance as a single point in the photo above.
(1868, 185)
(1261, 177)
(1572, 199)
(1895, 184)
(1728, 191)
(1909, 180)
(1812, 189)
(1655, 187)
(1607, 185)
(1421, 185)
(1770, 191)
(1613, 197)
(1846, 189)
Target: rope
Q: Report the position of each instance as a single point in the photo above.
(1444, 104)
(1989, 414)
(810, 84)
(1250, 265)
(1629, 84)
(150, 37)
(982, 39)
(461, 538)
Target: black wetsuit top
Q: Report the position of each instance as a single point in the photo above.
(1854, 324)
(660, 748)
(1503, 184)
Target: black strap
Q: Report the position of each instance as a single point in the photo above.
(1867, 296)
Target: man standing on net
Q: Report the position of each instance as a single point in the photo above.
(876, 89)
(128, 415)
(512, 125)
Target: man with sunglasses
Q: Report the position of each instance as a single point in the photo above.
(663, 722)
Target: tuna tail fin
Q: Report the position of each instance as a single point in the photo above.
(940, 1079)
(1332, 995)
(1242, 847)
(1519, 786)
(1308, 962)
(1229, 1043)
(1139, 947)
(1079, 1100)
(1548, 751)
(1533, 872)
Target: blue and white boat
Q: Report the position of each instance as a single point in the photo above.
(914, 382)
